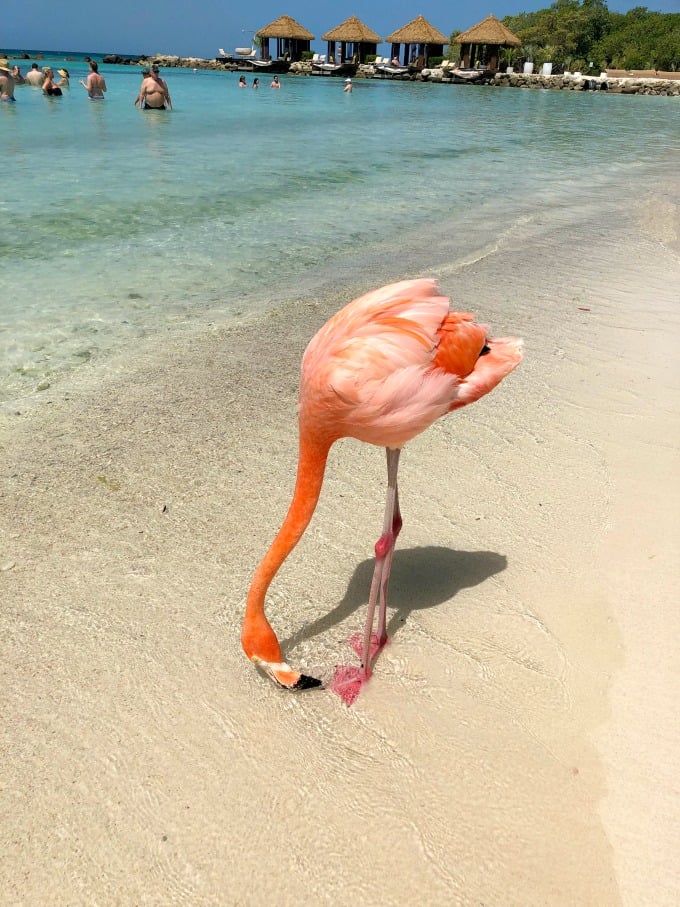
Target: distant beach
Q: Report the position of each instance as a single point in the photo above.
(517, 744)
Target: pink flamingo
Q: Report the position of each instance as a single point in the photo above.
(381, 370)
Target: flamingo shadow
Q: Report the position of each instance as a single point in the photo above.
(420, 578)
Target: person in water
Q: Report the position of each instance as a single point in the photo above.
(275, 83)
(156, 76)
(256, 83)
(6, 83)
(95, 84)
(64, 79)
(34, 76)
(242, 82)
(145, 75)
(153, 94)
(49, 86)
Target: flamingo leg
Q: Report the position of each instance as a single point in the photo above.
(348, 680)
(384, 549)
(397, 523)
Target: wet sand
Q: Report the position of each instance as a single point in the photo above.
(518, 742)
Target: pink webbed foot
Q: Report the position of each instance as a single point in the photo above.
(348, 679)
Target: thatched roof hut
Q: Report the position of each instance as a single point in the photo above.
(351, 40)
(291, 38)
(483, 41)
(421, 40)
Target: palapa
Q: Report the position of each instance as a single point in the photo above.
(417, 31)
(489, 31)
(285, 27)
(352, 31)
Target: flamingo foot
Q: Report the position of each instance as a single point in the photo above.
(348, 681)
(357, 643)
(285, 676)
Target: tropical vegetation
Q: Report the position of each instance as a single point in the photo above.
(584, 35)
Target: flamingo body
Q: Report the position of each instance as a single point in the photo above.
(381, 370)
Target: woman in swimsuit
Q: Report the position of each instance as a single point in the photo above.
(48, 85)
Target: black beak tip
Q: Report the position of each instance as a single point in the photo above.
(306, 683)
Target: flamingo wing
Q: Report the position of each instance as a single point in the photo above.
(390, 363)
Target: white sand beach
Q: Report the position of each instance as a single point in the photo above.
(518, 743)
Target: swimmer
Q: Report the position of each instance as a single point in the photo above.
(49, 86)
(34, 76)
(95, 85)
(275, 83)
(6, 82)
(154, 94)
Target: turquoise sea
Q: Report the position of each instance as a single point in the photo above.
(119, 224)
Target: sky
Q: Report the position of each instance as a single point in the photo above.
(200, 29)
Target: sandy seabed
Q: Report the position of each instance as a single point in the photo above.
(518, 743)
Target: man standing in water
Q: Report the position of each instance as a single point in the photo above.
(154, 94)
(34, 76)
(95, 84)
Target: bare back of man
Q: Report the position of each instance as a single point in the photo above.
(34, 76)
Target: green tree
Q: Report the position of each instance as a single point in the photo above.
(574, 33)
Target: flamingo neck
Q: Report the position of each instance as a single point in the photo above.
(310, 472)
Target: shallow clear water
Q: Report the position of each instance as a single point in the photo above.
(119, 224)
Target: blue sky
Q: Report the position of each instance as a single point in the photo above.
(199, 29)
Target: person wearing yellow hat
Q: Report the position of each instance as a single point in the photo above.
(6, 82)
(64, 80)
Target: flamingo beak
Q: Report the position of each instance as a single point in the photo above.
(285, 676)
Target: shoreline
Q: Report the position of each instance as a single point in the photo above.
(618, 82)
(526, 677)
(442, 254)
